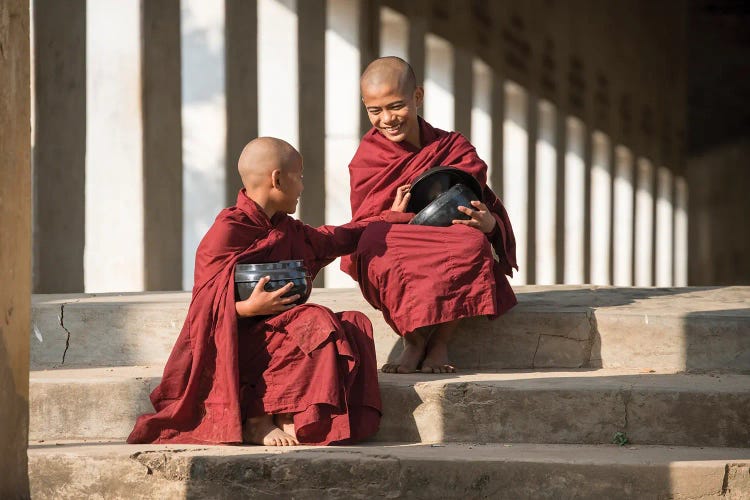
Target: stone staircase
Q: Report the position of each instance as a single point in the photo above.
(542, 394)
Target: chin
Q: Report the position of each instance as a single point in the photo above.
(394, 138)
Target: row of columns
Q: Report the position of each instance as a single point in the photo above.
(160, 97)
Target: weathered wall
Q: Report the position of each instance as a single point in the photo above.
(15, 246)
(719, 142)
(619, 66)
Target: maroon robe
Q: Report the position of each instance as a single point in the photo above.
(308, 360)
(419, 275)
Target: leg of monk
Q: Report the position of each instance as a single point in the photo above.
(436, 358)
(413, 353)
(262, 430)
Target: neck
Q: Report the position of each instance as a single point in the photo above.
(263, 201)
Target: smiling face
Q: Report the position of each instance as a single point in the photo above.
(393, 110)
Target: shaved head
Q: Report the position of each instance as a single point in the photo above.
(389, 70)
(262, 156)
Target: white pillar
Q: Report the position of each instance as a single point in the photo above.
(113, 255)
(439, 102)
(575, 177)
(664, 228)
(341, 117)
(681, 232)
(394, 34)
(203, 122)
(622, 247)
(516, 170)
(481, 112)
(278, 88)
(601, 206)
(546, 194)
(644, 223)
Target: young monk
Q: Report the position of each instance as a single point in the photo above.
(263, 370)
(423, 279)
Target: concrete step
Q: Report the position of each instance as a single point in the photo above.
(465, 471)
(574, 406)
(672, 329)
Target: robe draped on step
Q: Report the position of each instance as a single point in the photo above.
(308, 360)
(419, 275)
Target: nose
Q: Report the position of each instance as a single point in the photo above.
(386, 116)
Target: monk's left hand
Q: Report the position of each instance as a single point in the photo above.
(481, 218)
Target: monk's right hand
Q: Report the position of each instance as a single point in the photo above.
(402, 198)
(263, 303)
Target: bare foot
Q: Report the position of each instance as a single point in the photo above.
(262, 430)
(285, 422)
(436, 359)
(414, 346)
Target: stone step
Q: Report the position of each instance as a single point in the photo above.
(667, 329)
(574, 406)
(502, 471)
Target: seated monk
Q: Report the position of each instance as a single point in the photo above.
(263, 370)
(423, 279)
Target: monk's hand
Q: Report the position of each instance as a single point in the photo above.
(402, 198)
(263, 303)
(481, 218)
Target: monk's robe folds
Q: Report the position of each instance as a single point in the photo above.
(308, 360)
(418, 275)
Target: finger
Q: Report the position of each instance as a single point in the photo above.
(465, 222)
(466, 210)
(468, 222)
(261, 286)
(479, 205)
(284, 289)
(289, 300)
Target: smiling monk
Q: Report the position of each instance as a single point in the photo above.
(425, 280)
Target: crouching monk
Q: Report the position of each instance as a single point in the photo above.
(263, 370)
(423, 279)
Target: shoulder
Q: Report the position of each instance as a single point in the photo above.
(231, 229)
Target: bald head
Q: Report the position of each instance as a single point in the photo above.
(262, 156)
(391, 71)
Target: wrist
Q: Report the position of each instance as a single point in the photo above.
(491, 228)
(244, 310)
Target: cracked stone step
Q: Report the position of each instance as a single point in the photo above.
(666, 329)
(573, 406)
(502, 471)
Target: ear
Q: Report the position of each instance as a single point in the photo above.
(419, 95)
(276, 179)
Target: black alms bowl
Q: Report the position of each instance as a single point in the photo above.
(444, 209)
(246, 277)
(427, 186)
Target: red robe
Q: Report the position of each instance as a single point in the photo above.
(308, 360)
(419, 275)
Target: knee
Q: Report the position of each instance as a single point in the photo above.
(359, 320)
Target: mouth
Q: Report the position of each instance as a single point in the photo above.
(394, 130)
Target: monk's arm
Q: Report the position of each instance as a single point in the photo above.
(328, 242)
